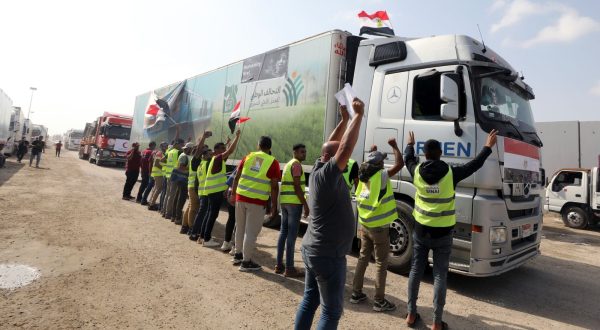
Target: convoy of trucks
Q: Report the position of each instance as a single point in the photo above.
(289, 94)
(106, 140)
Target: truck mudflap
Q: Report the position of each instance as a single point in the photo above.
(492, 267)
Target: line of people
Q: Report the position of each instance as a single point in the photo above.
(174, 173)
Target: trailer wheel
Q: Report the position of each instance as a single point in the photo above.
(401, 241)
(575, 217)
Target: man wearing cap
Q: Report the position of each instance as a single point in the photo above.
(180, 178)
(215, 187)
(192, 184)
(435, 217)
(145, 169)
(172, 157)
(376, 211)
(132, 169)
(156, 176)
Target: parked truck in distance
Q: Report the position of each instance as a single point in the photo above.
(106, 140)
(450, 88)
(72, 139)
(15, 131)
(575, 195)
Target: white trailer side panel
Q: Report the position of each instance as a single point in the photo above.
(561, 145)
(589, 140)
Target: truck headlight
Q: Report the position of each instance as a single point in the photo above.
(111, 142)
(497, 235)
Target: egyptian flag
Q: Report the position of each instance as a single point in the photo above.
(235, 117)
(377, 24)
(521, 156)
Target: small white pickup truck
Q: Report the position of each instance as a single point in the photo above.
(575, 194)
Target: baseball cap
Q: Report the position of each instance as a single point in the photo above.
(164, 143)
(376, 157)
(188, 145)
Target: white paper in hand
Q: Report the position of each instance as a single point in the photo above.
(346, 97)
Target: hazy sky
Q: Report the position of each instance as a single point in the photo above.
(88, 57)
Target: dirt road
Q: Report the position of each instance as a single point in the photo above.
(108, 263)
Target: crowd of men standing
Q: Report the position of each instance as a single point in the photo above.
(173, 173)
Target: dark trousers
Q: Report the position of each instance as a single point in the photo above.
(214, 205)
(57, 152)
(441, 248)
(132, 177)
(196, 229)
(230, 226)
(323, 285)
(181, 195)
(143, 185)
(20, 155)
(148, 189)
(163, 196)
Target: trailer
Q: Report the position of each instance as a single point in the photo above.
(449, 87)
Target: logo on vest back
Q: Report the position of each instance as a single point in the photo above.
(257, 164)
(435, 189)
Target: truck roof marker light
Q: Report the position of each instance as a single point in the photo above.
(476, 229)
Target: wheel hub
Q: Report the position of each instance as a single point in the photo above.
(574, 218)
(398, 237)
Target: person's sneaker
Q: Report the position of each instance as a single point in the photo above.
(226, 247)
(211, 243)
(232, 252)
(237, 259)
(279, 269)
(184, 230)
(193, 237)
(144, 203)
(139, 201)
(249, 266)
(357, 297)
(153, 207)
(383, 306)
(293, 272)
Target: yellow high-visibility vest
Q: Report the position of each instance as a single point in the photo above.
(215, 182)
(287, 193)
(372, 211)
(254, 182)
(434, 203)
(201, 174)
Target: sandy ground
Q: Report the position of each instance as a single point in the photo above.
(108, 263)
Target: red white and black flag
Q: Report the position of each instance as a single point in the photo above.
(377, 23)
(235, 118)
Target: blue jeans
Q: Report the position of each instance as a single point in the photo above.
(323, 285)
(290, 221)
(214, 202)
(202, 209)
(148, 190)
(441, 248)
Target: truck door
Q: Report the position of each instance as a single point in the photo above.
(567, 186)
(389, 100)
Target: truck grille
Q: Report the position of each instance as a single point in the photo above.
(516, 243)
(515, 214)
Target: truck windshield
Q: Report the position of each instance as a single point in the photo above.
(503, 105)
(76, 135)
(117, 132)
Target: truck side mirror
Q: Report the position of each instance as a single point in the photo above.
(449, 95)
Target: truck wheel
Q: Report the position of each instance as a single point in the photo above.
(575, 217)
(401, 241)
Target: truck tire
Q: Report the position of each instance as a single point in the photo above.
(575, 217)
(401, 241)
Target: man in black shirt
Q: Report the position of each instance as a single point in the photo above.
(37, 148)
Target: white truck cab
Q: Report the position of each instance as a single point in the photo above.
(575, 194)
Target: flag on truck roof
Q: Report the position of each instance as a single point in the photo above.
(377, 23)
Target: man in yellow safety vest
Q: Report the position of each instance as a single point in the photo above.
(292, 202)
(171, 162)
(434, 214)
(376, 211)
(215, 188)
(256, 180)
(157, 175)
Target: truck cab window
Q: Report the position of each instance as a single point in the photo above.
(566, 179)
(426, 99)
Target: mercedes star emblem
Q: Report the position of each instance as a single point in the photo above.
(393, 94)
